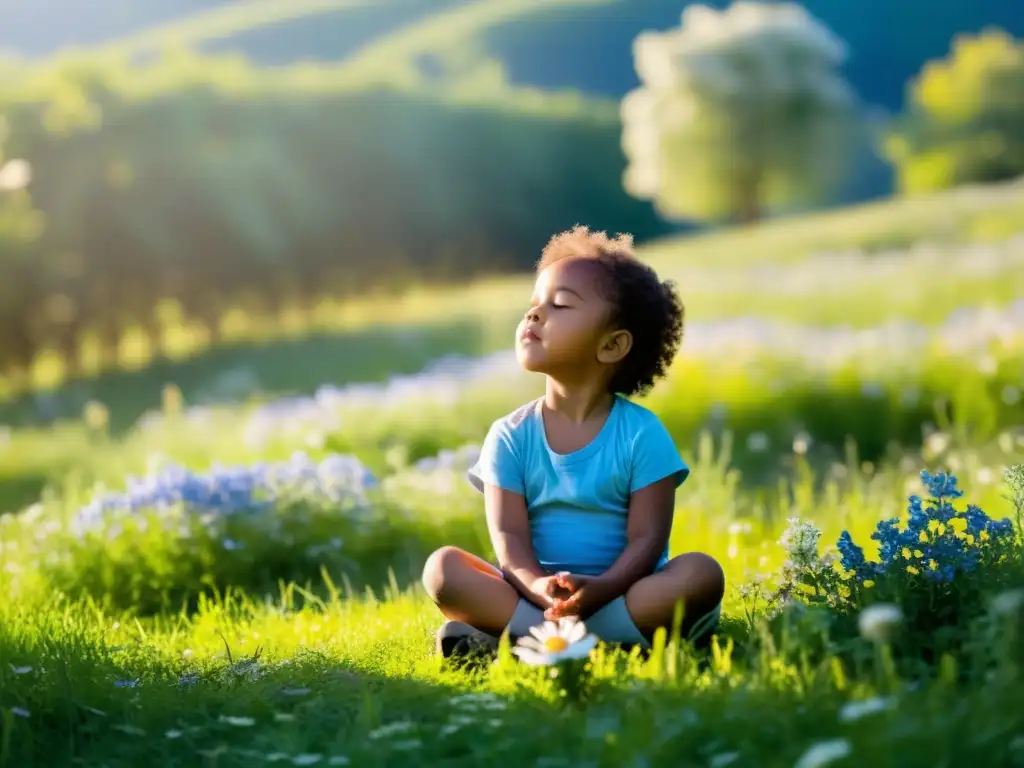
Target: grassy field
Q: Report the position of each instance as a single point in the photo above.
(225, 571)
(860, 267)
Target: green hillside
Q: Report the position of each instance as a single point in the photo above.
(542, 44)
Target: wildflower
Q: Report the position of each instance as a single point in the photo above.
(1008, 603)
(877, 622)
(724, 759)
(307, 759)
(14, 175)
(338, 760)
(240, 722)
(126, 683)
(295, 691)
(757, 442)
(19, 712)
(1010, 395)
(20, 670)
(172, 734)
(823, 753)
(391, 729)
(407, 745)
(553, 643)
(851, 556)
(855, 710)
(800, 540)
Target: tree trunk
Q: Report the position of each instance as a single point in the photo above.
(748, 197)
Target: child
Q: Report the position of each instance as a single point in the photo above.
(579, 485)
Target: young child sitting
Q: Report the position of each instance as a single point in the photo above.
(579, 485)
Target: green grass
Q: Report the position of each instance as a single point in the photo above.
(351, 675)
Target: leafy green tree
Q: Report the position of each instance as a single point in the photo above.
(738, 111)
(964, 122)
(20, 265)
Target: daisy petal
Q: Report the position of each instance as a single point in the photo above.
(540, 632)
(532, 658)
(531, 643)
(577, 633)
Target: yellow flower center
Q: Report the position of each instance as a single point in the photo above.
(555, 644)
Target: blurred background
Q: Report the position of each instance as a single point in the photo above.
(277, 213)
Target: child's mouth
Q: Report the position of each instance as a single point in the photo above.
(528, 335)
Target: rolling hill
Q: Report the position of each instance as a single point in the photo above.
(579, 44)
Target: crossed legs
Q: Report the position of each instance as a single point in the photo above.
(468, 589)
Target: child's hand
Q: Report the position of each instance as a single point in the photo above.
(587, 596)
(548, 588)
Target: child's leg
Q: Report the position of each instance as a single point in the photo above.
(468, 589)
(694, 578)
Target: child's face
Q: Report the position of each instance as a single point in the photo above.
(566, 327)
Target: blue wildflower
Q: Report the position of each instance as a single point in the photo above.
(939, 553)
(852, 557)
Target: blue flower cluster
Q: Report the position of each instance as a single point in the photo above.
(937, 541)
(337, 480)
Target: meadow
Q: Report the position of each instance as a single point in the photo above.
(225, 572)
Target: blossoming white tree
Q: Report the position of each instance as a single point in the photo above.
(738, 110)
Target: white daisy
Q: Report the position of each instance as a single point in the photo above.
(824, 753)
(877, 622)
(552, 643)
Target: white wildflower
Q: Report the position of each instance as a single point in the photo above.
(855, 710)
(14, 175)
(877, 622)
(19, 712)
(800, 540)
(823, 753)
(307, 759)
(757, 442)
(552, 643)
(240, 722)
(1008, 603)
(407, 745)
(391, 729)
(131, 730)
(724, 759)
(801, 443)
(20, 670)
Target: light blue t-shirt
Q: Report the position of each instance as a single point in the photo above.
(578, 502)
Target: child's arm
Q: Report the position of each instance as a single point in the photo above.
(509, 527)
(647, 531)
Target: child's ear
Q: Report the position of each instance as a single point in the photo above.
(615, 346)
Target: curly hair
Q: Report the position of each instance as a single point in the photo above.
(647, 307)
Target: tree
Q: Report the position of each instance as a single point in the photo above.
(965, 118)
(21, 290)
(738, 111)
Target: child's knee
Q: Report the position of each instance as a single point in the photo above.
(700, 578)
(438, 571)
